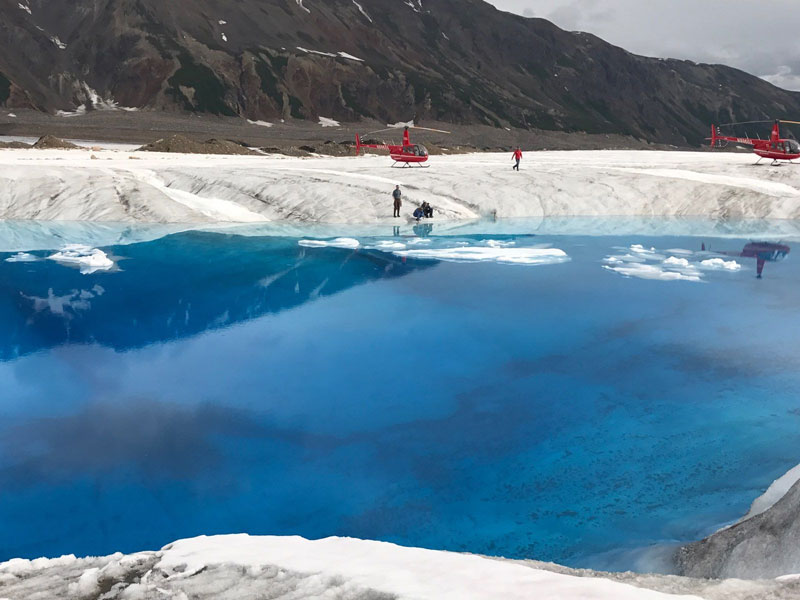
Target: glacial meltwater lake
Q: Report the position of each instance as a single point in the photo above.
(462, 388)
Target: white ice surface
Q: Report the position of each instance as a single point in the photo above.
(69, 185)
(238, 567)
(408, 573)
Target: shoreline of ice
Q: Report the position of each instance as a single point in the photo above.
(284, 568)
(114, 185)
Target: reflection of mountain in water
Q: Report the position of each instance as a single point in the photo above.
(174, 287)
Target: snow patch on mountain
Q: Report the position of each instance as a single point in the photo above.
(319, 52)
(362, 11)
(350, 56)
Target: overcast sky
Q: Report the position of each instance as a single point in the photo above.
(759, 36)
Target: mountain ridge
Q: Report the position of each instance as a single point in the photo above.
(457, 61)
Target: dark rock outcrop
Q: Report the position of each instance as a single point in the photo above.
(50, 142)
(459, 61)
(185, 145)
(764, 546)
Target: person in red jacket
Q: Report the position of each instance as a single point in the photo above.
(516, 156)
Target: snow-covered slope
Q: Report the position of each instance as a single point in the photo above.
(170, 188)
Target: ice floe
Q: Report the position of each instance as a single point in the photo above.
(650, 263)
(87, 259)
(349, 243)
(509, 256)
(719, 263)
(647, 271)
(22, 257)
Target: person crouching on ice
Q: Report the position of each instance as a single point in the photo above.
(518, 157)
(419, 213)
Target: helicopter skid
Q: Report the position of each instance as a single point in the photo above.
(409, 165)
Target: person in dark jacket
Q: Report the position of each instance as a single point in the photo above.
(427, 210)
(398, 200)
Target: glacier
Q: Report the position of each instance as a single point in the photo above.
(117, 185)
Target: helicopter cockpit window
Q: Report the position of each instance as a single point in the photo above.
(794, 147)
(421, 150)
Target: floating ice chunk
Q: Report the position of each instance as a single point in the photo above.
(12, 115)
(349, 243)
(677, 262)
(326, 122)
(221, 22)
(511, 256)
(718, 263)
(388, 246)
(224, 38)
(645, 271)
(22, 257)
(260, 123)
(499, 243)
(88, 259)
(624, 258)
(350, 56)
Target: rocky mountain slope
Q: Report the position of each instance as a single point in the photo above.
(459, 61)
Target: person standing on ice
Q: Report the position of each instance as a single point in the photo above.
(518, 157)
(398, 200)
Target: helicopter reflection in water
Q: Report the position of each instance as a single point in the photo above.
(763, 252)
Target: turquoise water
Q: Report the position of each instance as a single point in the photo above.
(215, 383)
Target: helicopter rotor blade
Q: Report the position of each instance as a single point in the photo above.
(429, 129)
(790, 122)
(381, 130)
(744, 123)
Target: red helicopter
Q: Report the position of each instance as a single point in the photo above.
(775, 148)
(407, 154)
